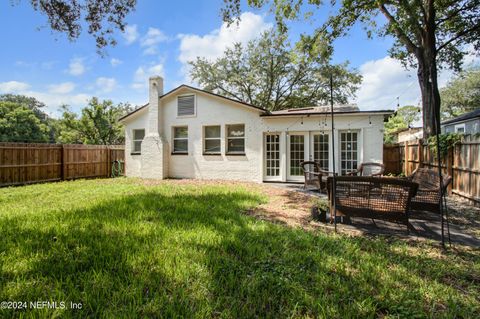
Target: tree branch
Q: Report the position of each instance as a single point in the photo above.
(458, 35)
(401, 35)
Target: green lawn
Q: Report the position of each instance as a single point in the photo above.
(124, 249)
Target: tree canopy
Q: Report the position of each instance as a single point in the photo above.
(404, 117)
(101, 17)
(19, 123)
(271, 73)
(427, 34)
(462, 94)
(97, 124)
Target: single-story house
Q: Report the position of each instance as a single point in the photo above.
(191, 133)
(468, 123)
(408, 134)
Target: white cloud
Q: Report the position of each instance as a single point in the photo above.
(213, 44)
(386, 79)
(153, 37)
(114, 62)
(61, 88)
(13, 87)
(141, 75)
(76, 67)
(131, 34)
(106, 85)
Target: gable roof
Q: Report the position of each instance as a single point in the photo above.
(183, 86)
(464, 117)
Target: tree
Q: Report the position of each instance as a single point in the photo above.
(404, 117)
(428, 34)
(97, 124)
(18, 123)
(101, 17)
(37, 108)
(462, 94)
(270, 73)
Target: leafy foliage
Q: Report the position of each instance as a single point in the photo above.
(97, 124)
(447, 141)
(101, 16)
(403, 118)
(427, 34)
(19, 123)
(462, 94)
(269, 72)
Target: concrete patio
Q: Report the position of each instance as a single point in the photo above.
(464, 230)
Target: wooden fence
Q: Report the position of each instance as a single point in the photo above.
(24, 163)
(462, 163)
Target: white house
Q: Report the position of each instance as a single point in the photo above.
(191, 133)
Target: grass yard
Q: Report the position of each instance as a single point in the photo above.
(124, 248)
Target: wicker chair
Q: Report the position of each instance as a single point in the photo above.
(369, 169)
(314, 175)
(428, 195)
(372, 197)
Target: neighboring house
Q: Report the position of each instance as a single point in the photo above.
(468, 123)
(408, 134)
(191, 133)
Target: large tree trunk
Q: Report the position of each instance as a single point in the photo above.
(427, 78)
(427, 75)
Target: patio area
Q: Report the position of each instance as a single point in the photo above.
(291, 205)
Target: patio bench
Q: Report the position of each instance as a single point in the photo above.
(372, 197)
(428, 196)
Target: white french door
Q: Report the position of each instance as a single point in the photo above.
(272, 156)
(297, 152)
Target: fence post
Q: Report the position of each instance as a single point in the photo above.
(420, 153)
(109, 161)
(449, 166)
(406, 157)
(63, 160)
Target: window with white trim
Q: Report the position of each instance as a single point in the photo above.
(137, 138)
(236, 139)
(211, 139)
(460, 128)
(186, 105)
(180, 140)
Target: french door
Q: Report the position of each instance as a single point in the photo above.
(297, 152)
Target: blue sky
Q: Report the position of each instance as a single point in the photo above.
(161, 37)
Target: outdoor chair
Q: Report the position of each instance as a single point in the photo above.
(314, 175)
(428, 196)
(371, 197)
(368, 169)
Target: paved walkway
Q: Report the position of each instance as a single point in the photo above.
(464, 222)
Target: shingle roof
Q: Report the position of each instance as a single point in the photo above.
(464, 117)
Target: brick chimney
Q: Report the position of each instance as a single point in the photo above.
(154, 146)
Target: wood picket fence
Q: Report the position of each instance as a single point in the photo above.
(26, 163)
(462, 163)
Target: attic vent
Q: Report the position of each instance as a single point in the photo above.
(186, 105)
(302, 109)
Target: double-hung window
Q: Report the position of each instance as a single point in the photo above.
(236, 139)
(137, 139)
(212, 139)
(180, 140)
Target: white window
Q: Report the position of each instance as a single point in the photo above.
(348, 151)
(180, 140)
(236, 139)
(138, 136)
(460, 128)
(186, 105)
(211, 143)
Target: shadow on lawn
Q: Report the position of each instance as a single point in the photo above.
(194, 255)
